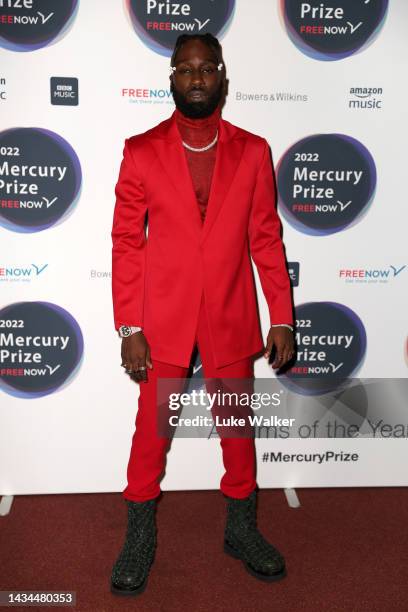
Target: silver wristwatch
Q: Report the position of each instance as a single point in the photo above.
(125, 331)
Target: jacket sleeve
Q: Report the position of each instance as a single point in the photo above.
(266, 245)
(128, 245)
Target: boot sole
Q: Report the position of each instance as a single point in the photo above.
(129, 592)
(234, 553)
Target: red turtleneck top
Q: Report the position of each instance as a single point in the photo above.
(199, 133)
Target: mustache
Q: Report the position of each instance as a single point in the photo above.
(196, 88)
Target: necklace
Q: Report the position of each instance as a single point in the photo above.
(199, 150)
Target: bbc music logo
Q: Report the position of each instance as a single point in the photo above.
(64, 91)
(27, 25)
(158, 24)
(332, 30)
(293, 271)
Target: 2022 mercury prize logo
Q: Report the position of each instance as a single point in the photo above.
(158, 24)
(41, 347)
(326, 182)
(331, 343)
(27, 25)
(40, 179)
(333, 30)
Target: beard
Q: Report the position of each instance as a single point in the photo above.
(197, 110)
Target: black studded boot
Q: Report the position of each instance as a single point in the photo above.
(131, 570)
(243, 541)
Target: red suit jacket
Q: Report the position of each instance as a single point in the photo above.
(158, 278)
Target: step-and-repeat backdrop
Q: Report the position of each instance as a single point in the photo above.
(323, 82)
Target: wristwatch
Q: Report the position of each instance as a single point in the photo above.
(125, 331)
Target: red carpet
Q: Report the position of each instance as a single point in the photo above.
(346, 550)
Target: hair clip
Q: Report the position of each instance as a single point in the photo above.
(172, 69)
(220, 65)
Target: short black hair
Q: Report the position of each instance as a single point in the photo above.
(208, 39)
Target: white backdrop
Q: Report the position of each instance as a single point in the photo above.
(77, 438)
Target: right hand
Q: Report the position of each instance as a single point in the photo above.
(135, 353)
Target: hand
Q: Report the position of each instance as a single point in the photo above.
(135, 353)
(283, 340)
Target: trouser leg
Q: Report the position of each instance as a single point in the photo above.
(148, 451)
(239, 457)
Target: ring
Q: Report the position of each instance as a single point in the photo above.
(129, 371)
(141, 368)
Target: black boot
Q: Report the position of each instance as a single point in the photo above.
(130, 572)
(244, 541)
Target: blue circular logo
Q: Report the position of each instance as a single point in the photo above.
(27, 25)
(331, 343)
(325, 182)
(159, 24)
(41, 348)
(333, 31)
(40, 179)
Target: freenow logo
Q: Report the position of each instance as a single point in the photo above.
(64, 91)
(10, 273)
(27, 25)
(326, 182)
(365, 98)
(41, 347)
(159, 24)
(40, 179)
(370, 275)
(146, 95)
(333, 30)
(331, 343)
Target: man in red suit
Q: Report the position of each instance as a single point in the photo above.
(208, 191)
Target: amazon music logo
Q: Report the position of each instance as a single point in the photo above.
(332, 30)
(27, 25)
(40, 179)
(365, 98)
(331, 343)
(158, 24)
(41, 348)
(326, 182)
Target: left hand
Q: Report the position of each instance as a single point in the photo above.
(283, 340)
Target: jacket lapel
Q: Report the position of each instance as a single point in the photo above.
(171, 153)
(228, 157)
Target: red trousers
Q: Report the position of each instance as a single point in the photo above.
(148, 451)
